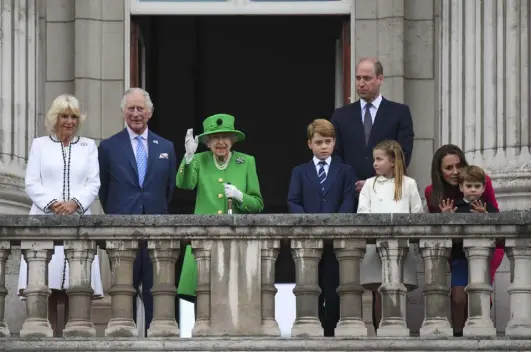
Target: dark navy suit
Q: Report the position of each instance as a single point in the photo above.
(392, 121)
(120, 193)
(305, 195)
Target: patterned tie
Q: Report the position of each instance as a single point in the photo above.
(141, 160)
(367, 122)
(322, 173)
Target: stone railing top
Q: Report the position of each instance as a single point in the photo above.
(264, 226)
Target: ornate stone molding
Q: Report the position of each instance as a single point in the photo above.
(485, 87)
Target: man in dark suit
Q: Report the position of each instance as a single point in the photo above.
(323, 185)
(360, 126)
(137, 173)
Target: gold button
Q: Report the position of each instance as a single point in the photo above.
(220, 212)
(220, 180)
(220, 195)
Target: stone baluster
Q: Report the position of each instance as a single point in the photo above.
(393, 253)
(5, 250)
(366, 304)
(122, 255)
(478, 252)
(307, 254)
(80, 255)
(164, 254)
(519, 253)
(435, 253)
(37, 255)
(349, 253)
(269, 250)
(202, 250)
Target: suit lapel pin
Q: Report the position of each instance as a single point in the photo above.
(155, 141)
(240, 161)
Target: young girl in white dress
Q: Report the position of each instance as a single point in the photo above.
(390, 191)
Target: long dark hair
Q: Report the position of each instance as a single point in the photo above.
(437, 181)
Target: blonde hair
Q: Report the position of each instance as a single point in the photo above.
(393, 150)
(321, 126)
(65, 103)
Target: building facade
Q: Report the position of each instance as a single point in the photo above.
(461, 66)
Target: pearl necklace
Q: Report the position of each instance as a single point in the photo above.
(223, 166)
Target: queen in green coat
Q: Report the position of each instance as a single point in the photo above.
(218, 175)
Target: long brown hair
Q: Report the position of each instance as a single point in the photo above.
(393, 150)
(439, 185)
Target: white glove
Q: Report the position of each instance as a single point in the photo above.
(233, 192)
(190, 145)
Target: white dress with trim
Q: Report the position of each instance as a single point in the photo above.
(57, 173)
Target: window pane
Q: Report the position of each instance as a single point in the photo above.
(291, 0)
(182, 0)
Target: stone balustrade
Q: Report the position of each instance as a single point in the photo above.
(236, 274)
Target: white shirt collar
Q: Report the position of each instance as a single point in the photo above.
(327, 160)
(133, 135)
(376, 102)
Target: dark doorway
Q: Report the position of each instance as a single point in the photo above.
(273, 73)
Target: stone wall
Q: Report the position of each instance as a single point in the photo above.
(402, 34)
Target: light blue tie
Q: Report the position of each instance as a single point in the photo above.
(141, 160)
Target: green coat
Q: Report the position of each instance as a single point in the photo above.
(203, 175)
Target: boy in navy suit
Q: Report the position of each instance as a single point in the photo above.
(323, 185)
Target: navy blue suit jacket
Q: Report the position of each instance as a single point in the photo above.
(392, 121)
(120, 192)
(305, 194)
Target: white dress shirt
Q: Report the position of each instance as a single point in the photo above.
(134, 141)
(373, 109)
(326, 166)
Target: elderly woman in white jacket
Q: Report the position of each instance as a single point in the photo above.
(62, 178)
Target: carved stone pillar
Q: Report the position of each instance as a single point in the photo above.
(307, 254)
(393, 253)
(80, 255)
(202, 250)
(349, 253)
(478, 252)
(485, 89)
(122, 255)
(5, 250)
(19, 84)
(519, 253)
(164, 254)
(37, 254)
(270, 249)
(435, 253)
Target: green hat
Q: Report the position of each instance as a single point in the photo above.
(220, 123)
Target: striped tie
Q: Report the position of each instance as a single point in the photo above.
(322, 173)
